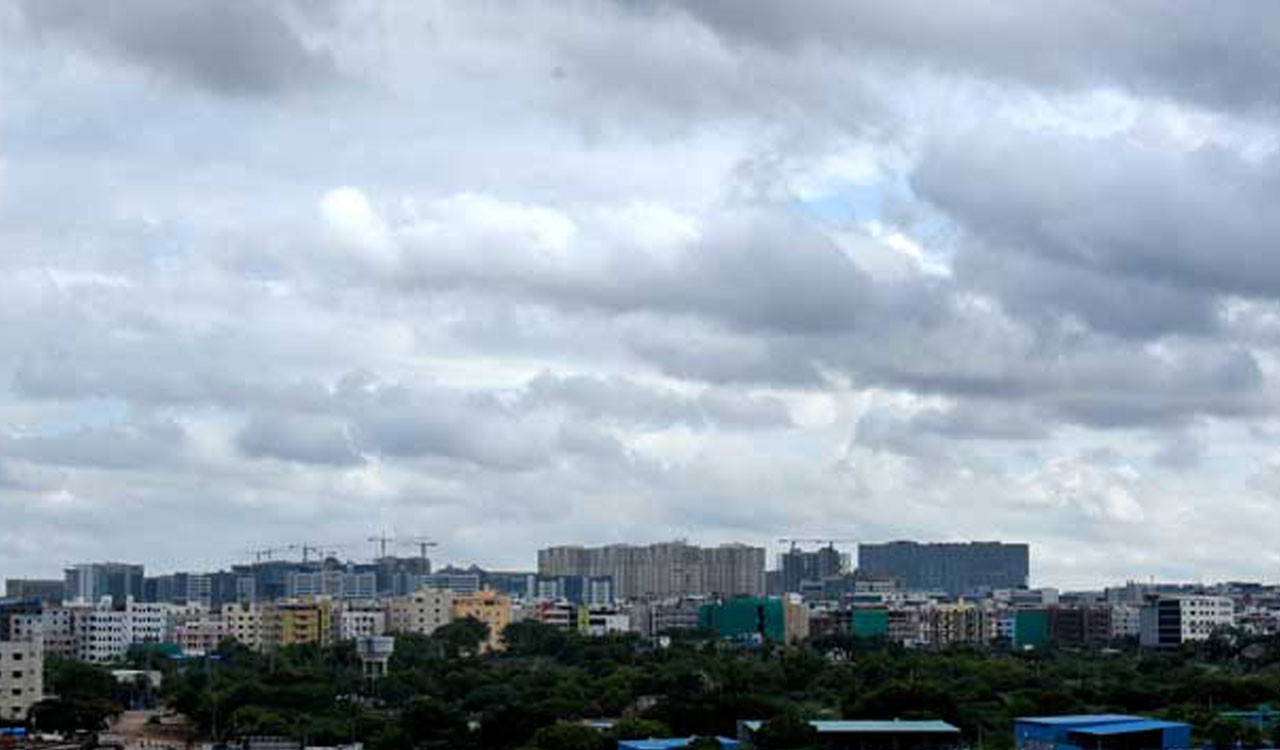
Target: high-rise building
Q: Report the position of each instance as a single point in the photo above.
(89, 583)
(663, 570)
(801, 570)
(956, 568)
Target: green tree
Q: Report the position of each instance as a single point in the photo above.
(566, 736)
(461, 637)
(786, 731)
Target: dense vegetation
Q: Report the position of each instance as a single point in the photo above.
(438, 694)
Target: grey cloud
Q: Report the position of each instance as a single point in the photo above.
(752, 268)
(612, 398)
(1130, 239)
(1206, 52)
(312, 440)
(244, 48)
(129, 445)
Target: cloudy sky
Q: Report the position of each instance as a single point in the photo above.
(518, 273)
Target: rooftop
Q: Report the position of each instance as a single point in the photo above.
(873, 727)
(1125, 727)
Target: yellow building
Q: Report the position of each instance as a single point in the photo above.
(295, 621)
(489, 607)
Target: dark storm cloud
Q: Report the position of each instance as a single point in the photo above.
(242, 48)
(1215, 54)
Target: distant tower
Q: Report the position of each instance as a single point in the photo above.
(375, 652)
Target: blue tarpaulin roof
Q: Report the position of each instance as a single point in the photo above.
(1125, 727)
(670, 744)
(1081, 719)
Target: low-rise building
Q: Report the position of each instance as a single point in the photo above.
(1169, 620)
(1099, 732)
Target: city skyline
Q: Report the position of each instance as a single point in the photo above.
(516, 274)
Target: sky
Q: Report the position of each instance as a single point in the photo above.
(514, 274)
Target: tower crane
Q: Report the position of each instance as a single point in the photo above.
(422, 543)
(383, 540)
(795, 543)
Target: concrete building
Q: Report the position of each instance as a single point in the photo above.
(597, 590)
(295, 622)
(657, 617)
(243, 623)
(421, 612)
(1169, 620)
(960, 623)
(201, 636)
(457, 580)
(1099, 732)
(663, 570)
(801, 570)
(489, 607)
(58, 631)
(88, 583)
(48, 591)
(361, 619)
(334, 584)
(102, 634)
(21, 677)
(956, 568)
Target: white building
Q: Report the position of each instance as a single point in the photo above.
(361, 620)
(607, 621)
(1173, 619)
(102, 635)
(21, 677)
(421, 612)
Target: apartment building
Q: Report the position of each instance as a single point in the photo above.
(663, 570)
(489, 607)
(420, 612)
(21, 677)
(365, 619)
(293, 622)
(243, 623)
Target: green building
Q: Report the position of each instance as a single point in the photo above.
(870, 622)
(1031, 628)
(745, 618)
